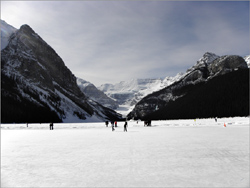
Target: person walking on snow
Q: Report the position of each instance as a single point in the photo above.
(112, 125)
(125, 126)
(51, 126)
(107, 123)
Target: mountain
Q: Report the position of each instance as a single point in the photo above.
(128, 93)
(247, 59)
(214, 86)
(95, 94)
(38, 87)
(6, 31)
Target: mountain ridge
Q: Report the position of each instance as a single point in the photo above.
(27, 56)
(128, 93)
(39, 79)
(95, 94)
(6, 31)
(203, 71)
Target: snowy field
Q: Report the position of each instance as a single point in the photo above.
(177, 153)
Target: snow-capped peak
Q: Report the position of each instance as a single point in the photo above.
(207, 58)
(6, 31)
(43, 83)
(247, 59)
(82, 82)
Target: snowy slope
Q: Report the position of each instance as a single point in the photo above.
(247, 59)
(203, 62)
(6, 31)
(95, 94)
(37, 86)
(128, 93)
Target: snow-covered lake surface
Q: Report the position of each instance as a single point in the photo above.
(176, 153)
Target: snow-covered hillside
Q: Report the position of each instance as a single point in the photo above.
(6, 31)
(128, 93)
(37, 86)
(212, 78)
(95, 94)
(247, 59)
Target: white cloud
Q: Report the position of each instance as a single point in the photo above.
(117, 40)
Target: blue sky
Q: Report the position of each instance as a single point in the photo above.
(113, 41)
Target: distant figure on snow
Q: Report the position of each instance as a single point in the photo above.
(125, 126)
(51, 126)
(115, 123)
(215, 119)
(147, 123)
(107, 123)
(112, 125)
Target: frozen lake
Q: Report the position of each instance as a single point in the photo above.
(180, 153)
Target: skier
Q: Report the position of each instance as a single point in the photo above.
(115, 123)
(112, 125)
(125, 126)
(51, 126)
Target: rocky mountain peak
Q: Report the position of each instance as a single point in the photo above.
(226, 64)
(209, 67)
(35, 79)
(208, 58)
(26, 29)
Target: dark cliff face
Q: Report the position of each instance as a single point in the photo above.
(38, 60)
(202, 72)
(39, 79)
(225, 64)
(223, 96)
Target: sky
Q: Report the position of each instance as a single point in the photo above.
(112, 41)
